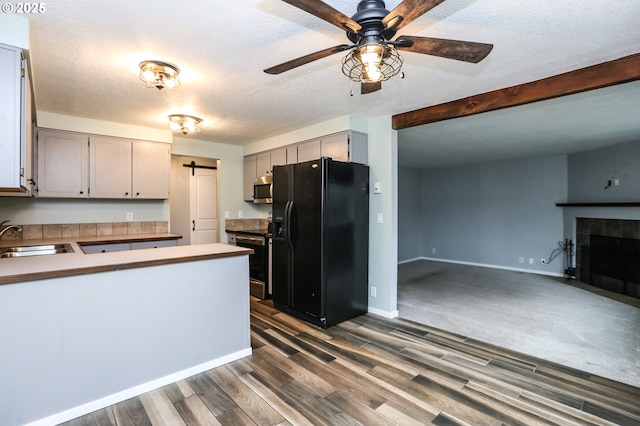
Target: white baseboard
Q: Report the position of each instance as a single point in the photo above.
(410, 260)
(485, 265)
(385, 314)
(138, 390)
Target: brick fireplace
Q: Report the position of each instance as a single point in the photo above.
(608, 254)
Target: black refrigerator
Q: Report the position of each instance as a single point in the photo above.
(320, 251)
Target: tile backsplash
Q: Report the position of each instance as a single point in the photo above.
(245, 224)
(72, 230)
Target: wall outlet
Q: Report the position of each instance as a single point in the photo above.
(433, 251)
(374, 292)
(521, 259)
(379, 217)
(377, 189)
(531, 261)
(129, 216)
(240, 214)
(226, 214)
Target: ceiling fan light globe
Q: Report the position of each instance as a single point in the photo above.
(371, 63)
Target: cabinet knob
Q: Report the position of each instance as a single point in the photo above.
(81, 192)
(126, 193)
(137, 194)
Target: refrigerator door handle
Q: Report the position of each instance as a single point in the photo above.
(288, 224)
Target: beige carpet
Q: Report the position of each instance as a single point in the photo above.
(541, 316)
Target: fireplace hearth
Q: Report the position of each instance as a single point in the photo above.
(608, 254)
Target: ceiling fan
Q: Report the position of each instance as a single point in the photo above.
(373, 56)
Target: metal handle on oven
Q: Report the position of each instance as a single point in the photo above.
(248, 239)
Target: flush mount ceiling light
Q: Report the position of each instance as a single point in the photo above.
(185, 124)
(159, 75)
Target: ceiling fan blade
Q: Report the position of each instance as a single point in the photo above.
(467, 51)
(306, 59)
(327, 13)
(370, 87)
(408, 10)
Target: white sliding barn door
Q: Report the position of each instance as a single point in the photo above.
(203, 185)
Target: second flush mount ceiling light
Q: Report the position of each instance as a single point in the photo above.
(163, 75)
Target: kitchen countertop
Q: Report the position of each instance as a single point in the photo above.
(28, 268)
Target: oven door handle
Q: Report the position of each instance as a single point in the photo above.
(247, 239)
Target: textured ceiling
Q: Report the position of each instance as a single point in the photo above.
(85, 56)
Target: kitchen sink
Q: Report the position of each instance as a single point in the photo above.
(39, 250)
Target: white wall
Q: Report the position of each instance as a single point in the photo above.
(383, 237)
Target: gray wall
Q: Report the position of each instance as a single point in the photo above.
(489, 214)
(409, 214)
(590, 172)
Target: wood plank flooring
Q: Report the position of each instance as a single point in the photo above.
(374, 371)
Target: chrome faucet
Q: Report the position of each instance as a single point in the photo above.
(4, 229)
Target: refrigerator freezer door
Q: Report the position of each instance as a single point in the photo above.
(306, 219)
(280, 255)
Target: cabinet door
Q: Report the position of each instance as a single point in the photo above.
(292, 154)
(139, 245)
(309, 151)
(250, 167)
(63, 159)
(263, 162)
(105, 248)
(151, 170)
(11, 113)
(110, 165)
(278, 158)
(336, 147)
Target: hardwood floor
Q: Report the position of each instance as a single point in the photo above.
(374, 371)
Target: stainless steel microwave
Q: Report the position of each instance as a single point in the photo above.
(263, 190)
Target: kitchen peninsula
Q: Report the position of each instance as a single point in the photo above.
(83, 331)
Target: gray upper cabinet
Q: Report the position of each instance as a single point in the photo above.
(15, 122)
(63, 164)
(259, 165)
(349, 146)
(278, 157)
(151, 170)
(77, 165)
(308, 151)
(110, 167)
(250, 175)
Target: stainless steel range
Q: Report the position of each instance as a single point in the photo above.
(259, 262)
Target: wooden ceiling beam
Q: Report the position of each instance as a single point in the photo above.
(609, 73)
